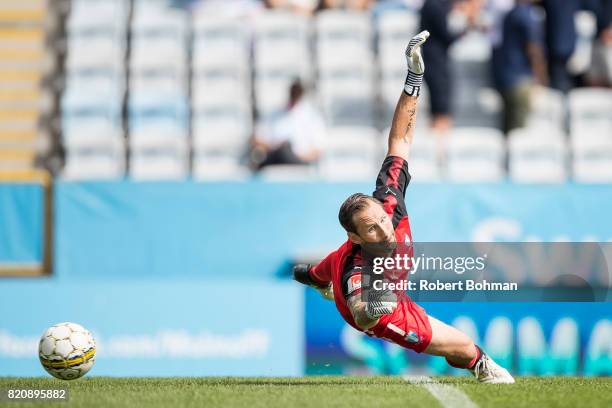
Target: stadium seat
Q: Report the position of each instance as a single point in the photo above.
(281, 43)
(158, 41)
(289, 173)
(590, 109)
(347, 98)
(219, 92)
(94, 53)
(219, 158)
(96, 81)
(103, 159)
(206, 168)
(350, 154)
(547, 108)
(343, 40)
(271, 94)
(111, 18)
(220, 44)
(475, 155)
(474, 103)
(395, 29)
(88, 118)
(592, 161)
(159, 151)
(537, 155)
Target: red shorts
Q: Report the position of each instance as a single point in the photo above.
(408, 326)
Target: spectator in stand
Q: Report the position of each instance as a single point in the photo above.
(496, 11)
(293, 136)
(560, 40)
(522, 63)
(600, 73)
(349, 4)
(305, 7)
(446, 20)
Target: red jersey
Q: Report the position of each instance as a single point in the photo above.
(408, 324)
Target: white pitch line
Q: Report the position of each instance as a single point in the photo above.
(449, 396)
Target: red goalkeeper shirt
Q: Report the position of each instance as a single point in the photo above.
(408, 325)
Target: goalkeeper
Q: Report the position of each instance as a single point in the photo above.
(381, 221)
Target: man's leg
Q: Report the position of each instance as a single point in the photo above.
(461, 352)
(446, 341)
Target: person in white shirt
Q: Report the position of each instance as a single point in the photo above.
(292, 136)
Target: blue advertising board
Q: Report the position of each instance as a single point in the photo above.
(194, 229)
(544, 338)
(159, 328)
(21, 223)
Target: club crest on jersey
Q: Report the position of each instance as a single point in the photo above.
(412, 337)
(354, 283)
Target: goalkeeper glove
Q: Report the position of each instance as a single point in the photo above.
(416, 66)
(380, 303)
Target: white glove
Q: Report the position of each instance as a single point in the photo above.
(416, 66)
(380, 303)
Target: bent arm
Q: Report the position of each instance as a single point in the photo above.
(358, 310)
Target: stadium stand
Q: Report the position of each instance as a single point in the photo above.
(185, 103)
(95, 85)
(345, 67)
(25, 100)
(221, 96)
(281, 53)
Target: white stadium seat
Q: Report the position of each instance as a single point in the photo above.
(395, 29)
(351, 154)
(475, 155)
(220, 43)
(99, 158)
(592, 162)
(547, 108)
(347, 98)
(343, 40)
(281, 43)
(537, 155)
(591, 108)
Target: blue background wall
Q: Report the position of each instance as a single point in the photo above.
(136, 261)
(231, 230)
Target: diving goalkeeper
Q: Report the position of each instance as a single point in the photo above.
(381, 220)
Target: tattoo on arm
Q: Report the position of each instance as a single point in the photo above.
(410, 126)
(357, 308)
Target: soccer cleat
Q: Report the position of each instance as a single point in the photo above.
(488, 371)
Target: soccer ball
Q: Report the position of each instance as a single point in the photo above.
(67, 351)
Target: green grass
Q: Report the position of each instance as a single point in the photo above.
(316, 392)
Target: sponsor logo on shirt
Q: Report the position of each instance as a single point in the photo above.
(354, 283)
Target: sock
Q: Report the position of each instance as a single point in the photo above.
(475, 359)
(472, 362)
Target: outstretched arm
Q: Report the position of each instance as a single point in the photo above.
(404, 118)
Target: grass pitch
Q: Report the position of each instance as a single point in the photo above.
(316, 392)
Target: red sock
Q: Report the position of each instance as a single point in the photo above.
(472, 362)
(475, 359)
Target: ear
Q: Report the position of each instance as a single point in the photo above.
(354, 238)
